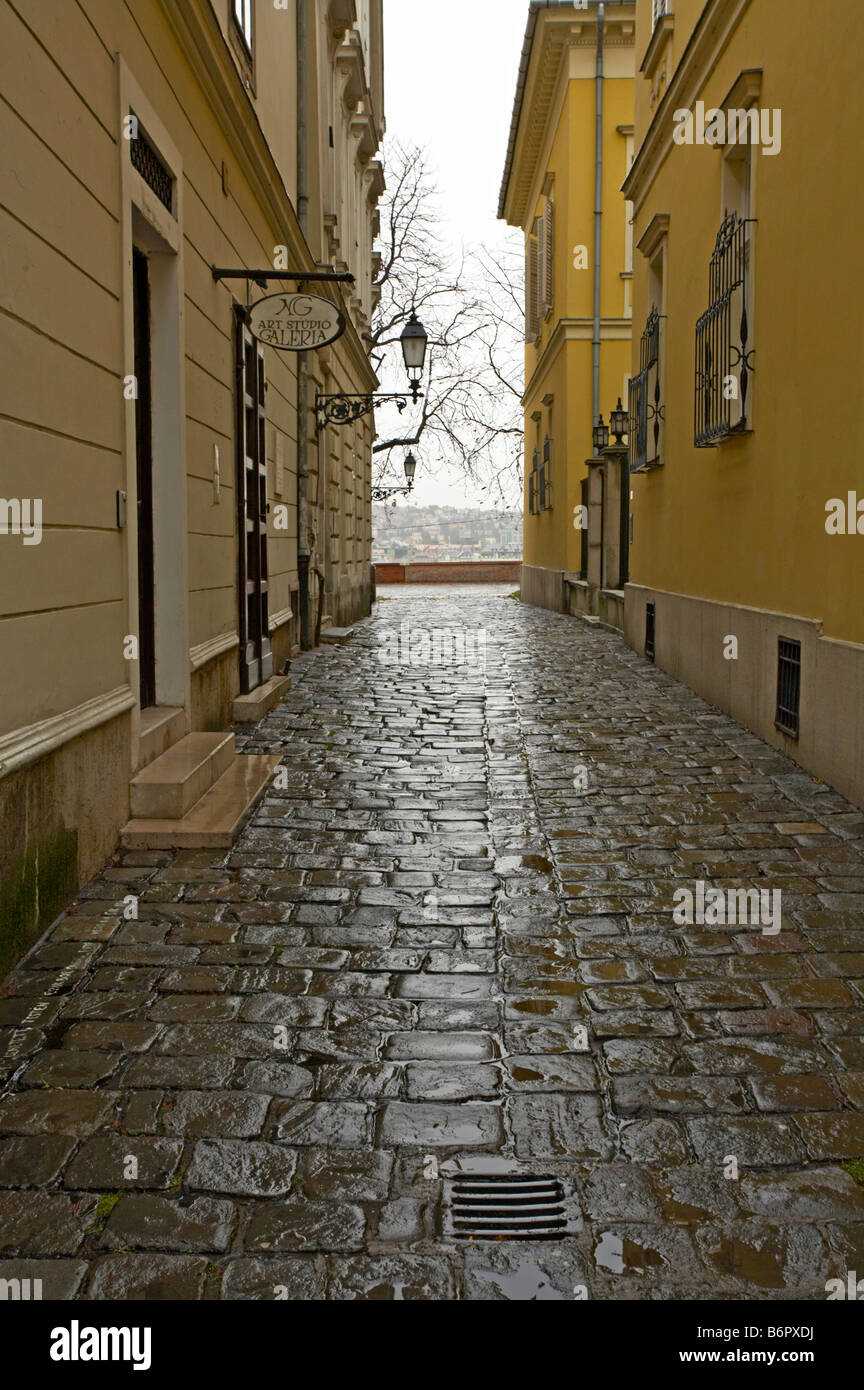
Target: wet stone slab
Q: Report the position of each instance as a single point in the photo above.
(429, 950)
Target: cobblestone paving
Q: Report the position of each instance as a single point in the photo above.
(446, 943)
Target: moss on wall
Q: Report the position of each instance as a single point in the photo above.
(34, 889)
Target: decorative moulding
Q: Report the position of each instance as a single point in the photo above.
(653, 234)
(35, 741)
(662, 33)
(213, 647)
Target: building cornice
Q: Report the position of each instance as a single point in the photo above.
(554, 26)
(197, 30)
(576, 330)
(711, 35)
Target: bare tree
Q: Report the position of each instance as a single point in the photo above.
(471, 306)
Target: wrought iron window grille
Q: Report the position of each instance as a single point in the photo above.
(724, 356)
(533, 484)
(152, 170)
(545, 475)
(647, 410)
(788, 716)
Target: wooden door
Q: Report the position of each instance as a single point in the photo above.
(144, 462)
(256, 657)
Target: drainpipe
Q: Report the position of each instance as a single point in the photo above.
(598, 209)
(302, 365)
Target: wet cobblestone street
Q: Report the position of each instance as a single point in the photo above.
(445, 944)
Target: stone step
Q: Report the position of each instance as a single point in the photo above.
(248, 709)
(169, 787)
(217, 819)
(161, 727)
(336, 636)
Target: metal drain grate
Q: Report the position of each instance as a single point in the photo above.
(505, 1206)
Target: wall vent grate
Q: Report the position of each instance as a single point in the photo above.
(505, 1207)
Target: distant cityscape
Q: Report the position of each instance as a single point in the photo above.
(412, 534)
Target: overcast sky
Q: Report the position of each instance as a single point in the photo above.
(450, 71)
(450, 74)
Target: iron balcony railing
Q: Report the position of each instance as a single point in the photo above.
(724, 357)
(647, 412)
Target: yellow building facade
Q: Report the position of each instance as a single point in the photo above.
(196, 524)
(562, 188)
(747, 439)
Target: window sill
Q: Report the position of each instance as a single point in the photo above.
(662, 33)
(730, 438)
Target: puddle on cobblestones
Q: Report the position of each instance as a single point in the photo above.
(512, 863)
(527, 1284)
(624, 1256)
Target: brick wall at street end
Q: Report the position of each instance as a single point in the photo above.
(455, 572)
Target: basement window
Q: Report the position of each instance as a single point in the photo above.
(788, 717)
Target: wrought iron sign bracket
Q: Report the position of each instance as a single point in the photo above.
(381, 494)
(344, 409)
(263, 277)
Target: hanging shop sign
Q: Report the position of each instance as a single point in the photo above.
(296, 322)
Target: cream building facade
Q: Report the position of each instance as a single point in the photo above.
(196, 524)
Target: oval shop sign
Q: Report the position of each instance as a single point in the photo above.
(296, 322)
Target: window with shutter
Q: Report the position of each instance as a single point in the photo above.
(661, 8)
(532, 313)
(548, 224)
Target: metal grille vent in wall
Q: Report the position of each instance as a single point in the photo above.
(501, 1206)
(152, 170)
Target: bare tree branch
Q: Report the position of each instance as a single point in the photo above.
(472, 308)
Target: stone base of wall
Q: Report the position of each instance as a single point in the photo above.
(59, 822)
(351, 601)
(544, 588)
(214, 688)
(690, 636)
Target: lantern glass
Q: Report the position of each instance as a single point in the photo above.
(601, 434)
(414, 342)
(619, 421)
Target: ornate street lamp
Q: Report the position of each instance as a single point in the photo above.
(414, 342)
(601, 434)
(380, 494)
(619, 422)
(343, 409)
